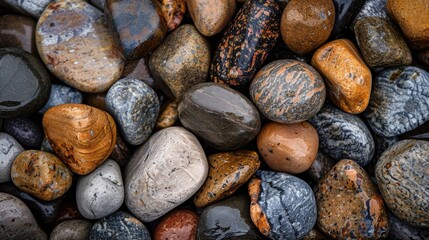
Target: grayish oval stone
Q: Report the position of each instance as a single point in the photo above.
(61, 94)
(163, 173)
(101, 192)
(71, 230)
(9, 149)
(33, 8)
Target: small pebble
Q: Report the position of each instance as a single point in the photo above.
(18, 32)
(26, 131)
(9, 150)
(121, 153)
(178, 224)
(97, 100)
(345, 12)
(320, 167)
(139, 69)
(33, 8)
(168, 115)
(400, 230)
(61, 94)
(71, 230)
(173, 12)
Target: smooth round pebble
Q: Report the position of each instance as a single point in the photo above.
(71, 230)
(61, 94)
(26, 131)
(9, 150)
(178, 224)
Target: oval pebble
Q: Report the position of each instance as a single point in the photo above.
(61, 94)
(9, 150)
(25, 131)
(71, 230)
(178, 224)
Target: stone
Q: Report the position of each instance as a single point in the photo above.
(71, 230)
(381, 43)
(349, 205)
(281, 52)
(61, 94)
(98, 3)
(343, 136)
(168, 115)
(345, 12)
(305, 25)
(41, 174)
(193, 50)
(423, 57)
(46, 146)
(228, 171)
(348, 78)
(282, 206)
(241, 52)
(211, 16)
(173, 12)
(33, 8)
(68, 211)
(372, 8)
(16, 220)
(290, 148)
(121, 153)
(101, 192)
(18, 32)
(400, 230)
(75, 43)
(320, 167)
(82, 136)
(97, 100)
(411, 16)
(25, 130)
(120, 225)
(24, 93)
(178, 224)
(138, 24)
(399, 101)
(9, 150)
(315, 234)
(139, 69)
(402, 177)
(135, 107)
(221, 116)
(288, 91)
(163, 173)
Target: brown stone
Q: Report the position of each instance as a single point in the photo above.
(178, 224)
(349, 205)
(41, 174)
(227, 172)
(168, 115)
(347, 77)
(97, 100)
(305, 25)
(120, 154)
(173, 11)
(81, 135)
(290, 148)
(18, 31)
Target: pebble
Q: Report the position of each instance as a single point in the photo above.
(241, 52)
(119, 226)
(61, 94)
(99, 3)
(399, 101)
(227, 219)
(33, 8)
(315, 234)
(139, 69)
(211, 16)
(121, 153)
(372, 8)
(46, 146)
(400, 230)
(9, 149)
(67, 211)
(71, 230)
(135, 107)
(25, 130)
(282, 206)
(18, 32)
(343, 136)
(173, 12)
(320, 167)
(97, 100)
(139, 25)
(305, 25)
(82, 136)
(164, 172)
(25, 93)
(193, 50)
(41, 174)
(349, 204)
(228, 171)
(347, 76)
(178, 224)
(75, 43)
(345, 12)
(168, 115)
(101, 192)
(219, 115)
(17, 221)
(288, 91)
(402, 177)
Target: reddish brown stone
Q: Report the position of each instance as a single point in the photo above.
(19, 32)
(173, 12)
(168, 115)
(177, 225)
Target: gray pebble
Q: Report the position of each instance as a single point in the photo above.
(46, 146)
(71, 230)
(372, 8)
(33, 8)
(9, 149)
(61, 94)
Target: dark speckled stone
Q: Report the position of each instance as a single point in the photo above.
(119, 226)
(399, 101)
(400, 230)
(343, 136)
(372, 8)
(25, 131)
(135, 107)
(28, 7)
(282, 206)
(320, 167)
(345, 12)
(61, 94)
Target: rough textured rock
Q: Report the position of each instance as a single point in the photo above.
(61, 94)
(32, 8)
(9, 149)
(178, 224)
(71, 230)
(25, 130)
(18, 31)
(372, 8)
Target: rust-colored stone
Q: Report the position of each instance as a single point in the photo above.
(168, 115)
(256, 213)
(177, 225)
(173, 12)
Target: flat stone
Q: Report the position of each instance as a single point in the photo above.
(320, 167)
(173, 12)
(345, 12)
(400, 230)
(61, 94)
(18, 32)
(71, 230)
(75, 43)
(164, 172)
(9, 149)
(178, 224)
(32, 8)
(26, 131)
(168, 115)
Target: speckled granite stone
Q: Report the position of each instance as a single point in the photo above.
(26, 131)
(61, 94)
(33, 8)
(400, 230)
(372, 8)
(320, 167)
(9, 149)
(71, 230)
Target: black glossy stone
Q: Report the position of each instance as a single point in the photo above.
(27, 132)
(345, 12)
(24, 83)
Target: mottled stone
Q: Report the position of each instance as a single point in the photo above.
(26, 131)
(400, 230)
(16, 220)
(345, 12)
(315, 234)
(92, 65)
(168, 115)
(9, 149)
(282, 206)
(178, 224)
(372, 8)
(101, 192)
(402, 176)
(18, 32)
(139, 25)
(349, 205)
(227, 172)
(343, 136)
(193, 50)
(173, 12)
(163, 173)
(71, 230)
(288, 91)
(32, 8)
(221, 116)
(121, 153)
(24, 93)
(119, 226)
(347, 76)
(305, 25)
(320, 167)
(399, 101)
(139, 69)
(135, 107)
(61, 94)
(242, 52)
